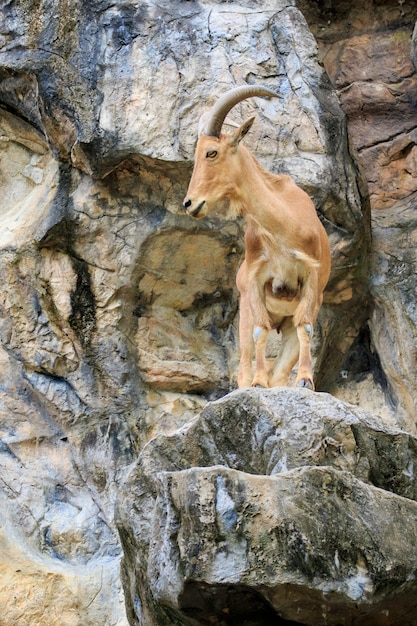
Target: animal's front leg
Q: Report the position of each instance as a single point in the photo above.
(305, 374)
(261, 327)
(248, 337)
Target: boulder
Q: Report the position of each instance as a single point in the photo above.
(272, 505)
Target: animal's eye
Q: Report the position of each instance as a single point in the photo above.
(211, 154)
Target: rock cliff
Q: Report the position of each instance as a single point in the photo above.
(137, 486)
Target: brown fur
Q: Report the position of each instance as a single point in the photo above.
(287, 255)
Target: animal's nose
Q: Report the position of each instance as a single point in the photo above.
(187, 204)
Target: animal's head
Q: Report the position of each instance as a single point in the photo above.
(217, 173)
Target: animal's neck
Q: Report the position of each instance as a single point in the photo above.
(256, 197)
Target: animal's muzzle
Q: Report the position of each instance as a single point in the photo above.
(193, 212)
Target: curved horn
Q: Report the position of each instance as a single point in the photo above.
(227, 101)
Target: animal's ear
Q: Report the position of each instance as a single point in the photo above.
(240, 132)
(202, 122)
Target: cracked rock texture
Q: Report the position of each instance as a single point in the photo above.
(281, 496)
(118, 319)
(368, 51)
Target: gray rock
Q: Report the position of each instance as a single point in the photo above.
(288, 496)
(394, 316)
(414, 47)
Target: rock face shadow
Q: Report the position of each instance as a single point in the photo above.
(231, 606)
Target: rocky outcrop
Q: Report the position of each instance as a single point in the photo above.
(366, 50)
(266, 506)
(119, 313)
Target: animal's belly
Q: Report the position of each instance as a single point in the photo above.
(278, 309)
(281, 302)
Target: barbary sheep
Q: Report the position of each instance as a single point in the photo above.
(287, 253)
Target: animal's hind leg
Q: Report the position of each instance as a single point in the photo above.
(260, 337)
(305, 374)
(287, 356)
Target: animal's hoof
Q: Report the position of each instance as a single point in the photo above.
(260, 381)
(306, 384)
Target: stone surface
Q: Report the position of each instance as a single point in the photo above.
(305, 136)
(368, 50)
(393, 286)
(119, 314)
(288, 496)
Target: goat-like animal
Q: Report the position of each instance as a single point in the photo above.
(287, 253)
